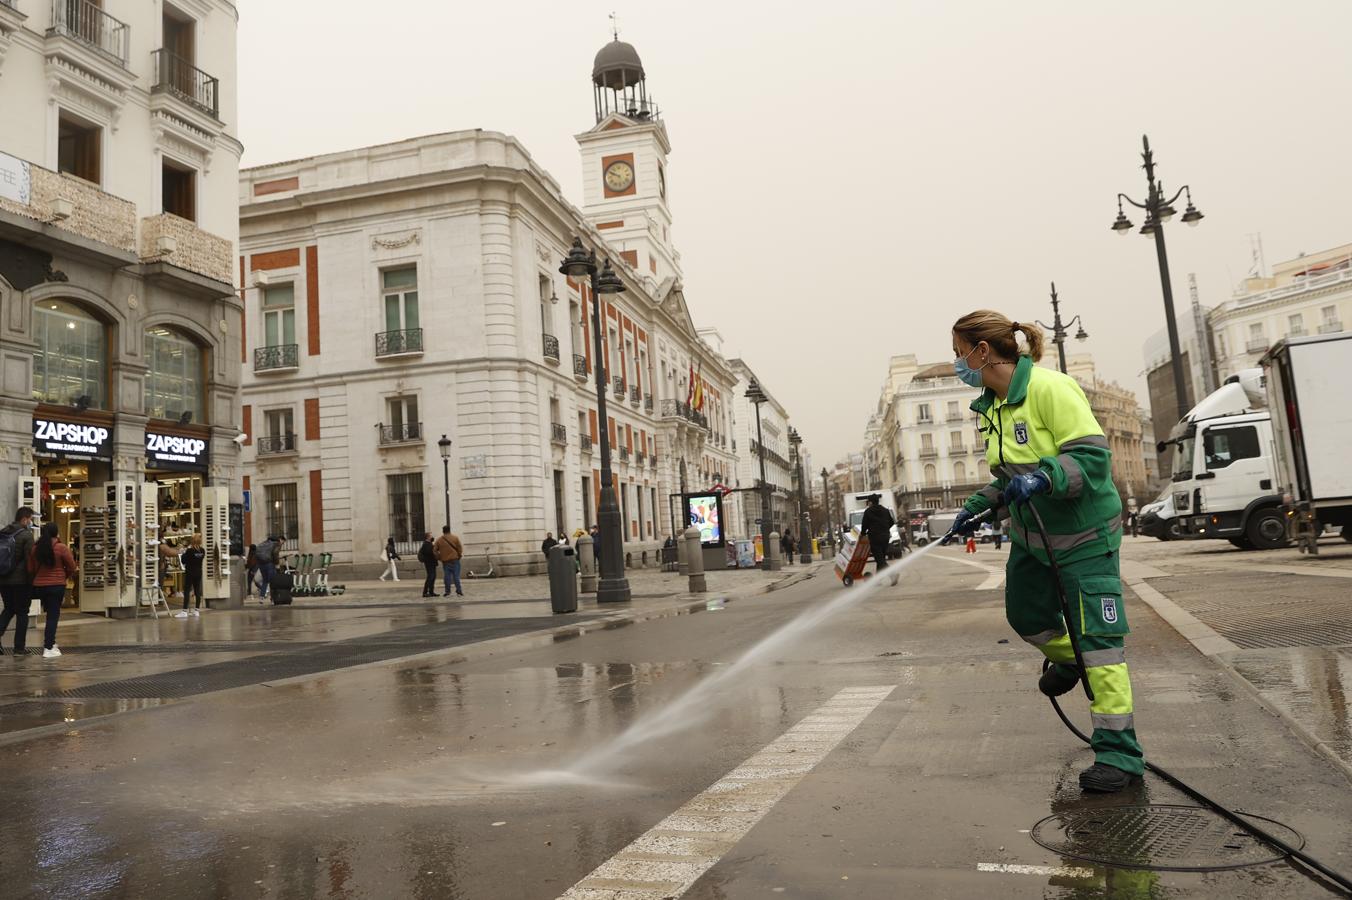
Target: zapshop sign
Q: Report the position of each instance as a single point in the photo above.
(71, 440)
(175, 451)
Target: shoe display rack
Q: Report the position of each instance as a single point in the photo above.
(147, 564)
(216, 542)
(109, 548)
(180, 507)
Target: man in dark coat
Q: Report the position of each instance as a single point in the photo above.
(427, 555)
(877, 526)
(548, 544)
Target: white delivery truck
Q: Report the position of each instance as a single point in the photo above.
(1224, 481)
(1307, 393)
(855, 504)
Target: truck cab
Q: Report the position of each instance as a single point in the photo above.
(1224, 468)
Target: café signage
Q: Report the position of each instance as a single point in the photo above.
(174, 451)
(71, 440)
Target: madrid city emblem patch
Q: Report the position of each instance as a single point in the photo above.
(1021, 432)
(1109, 610)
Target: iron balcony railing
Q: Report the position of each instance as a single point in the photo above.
(957, 447)
(652, 460)
(580, 366)
(394, 343)
(558, 433)
(181, 78)
(929, 452)
(1331, 328)
(624, 454)
(90, 25)
(634, 394)
(648, 402)
(676, 409)
(618, 384)
(276, 443)
(638, 457)
(586, 443)
(1296, 332)
(399, 434)
(1257, 345)
(551, 347)
(278, 356)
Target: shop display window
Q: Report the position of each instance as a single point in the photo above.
(70, 363)
(174, 382)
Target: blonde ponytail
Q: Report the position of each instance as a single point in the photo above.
(1001, 333)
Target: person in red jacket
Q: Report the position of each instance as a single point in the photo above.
(50, 562)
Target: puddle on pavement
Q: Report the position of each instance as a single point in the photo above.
(36, 714)
(1311, 684)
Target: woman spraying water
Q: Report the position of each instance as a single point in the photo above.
(1046, 449)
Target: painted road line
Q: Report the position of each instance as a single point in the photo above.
(994, 577)
(1050, 871)
(672, 856)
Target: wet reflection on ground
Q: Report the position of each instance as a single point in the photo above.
(1313, 685)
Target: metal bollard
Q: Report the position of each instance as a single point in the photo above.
(694, 555)
(774, 562)
(562, 580)
(682, 558)
(586, 556)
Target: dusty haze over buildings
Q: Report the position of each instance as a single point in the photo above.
(847, 180)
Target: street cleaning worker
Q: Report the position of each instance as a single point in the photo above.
(1046, 449)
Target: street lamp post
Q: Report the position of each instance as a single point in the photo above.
(444, 445)
(757, 397)
(612, 587)
(1159, 210)
(826, 502)
(804, 519)
(1059, 328)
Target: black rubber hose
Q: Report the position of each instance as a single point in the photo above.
(1318, 869)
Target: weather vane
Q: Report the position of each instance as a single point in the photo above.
(615, 26)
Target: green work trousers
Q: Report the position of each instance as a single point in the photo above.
(1094, 591)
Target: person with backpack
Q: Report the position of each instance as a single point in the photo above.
(50, 562)
(427, 555)
(16, 585)
(265, 554)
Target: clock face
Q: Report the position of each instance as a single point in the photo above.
(619, 176)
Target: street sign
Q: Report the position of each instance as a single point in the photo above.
(248, 501)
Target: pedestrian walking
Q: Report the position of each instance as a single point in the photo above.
(448, 552)
(1047, 450)
(786, 545)
(250, 569)
(427, 555)
(391, 556)
(266, 556)
(596, 545)
(549, 544)
(191, 560)
(16, 583)
(50, 562)
(877, 523)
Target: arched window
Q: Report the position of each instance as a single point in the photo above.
(71, 359)
(174, 382)
(983, 469)
(931, 474)
(959, 472)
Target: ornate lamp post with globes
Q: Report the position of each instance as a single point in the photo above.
(804, 518)
(612, 587)
(757, 397)
(1059, 328)
(444, 445)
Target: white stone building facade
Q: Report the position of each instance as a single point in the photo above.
(119, 166)
(746, 504)
(408, 291)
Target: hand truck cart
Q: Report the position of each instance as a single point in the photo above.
(854, 555)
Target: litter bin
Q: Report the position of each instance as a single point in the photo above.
(562, 580)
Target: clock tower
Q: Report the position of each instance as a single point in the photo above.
(624, 166)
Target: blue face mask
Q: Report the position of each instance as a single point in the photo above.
(966, 374)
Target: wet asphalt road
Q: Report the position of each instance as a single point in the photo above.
(419, 780)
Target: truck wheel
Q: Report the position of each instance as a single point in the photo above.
(1267, 529)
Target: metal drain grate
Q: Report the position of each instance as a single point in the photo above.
(1160, 837)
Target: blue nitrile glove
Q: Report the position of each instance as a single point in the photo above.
(962, 525)
(1021, 488)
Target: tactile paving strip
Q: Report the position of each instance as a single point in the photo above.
(1161, 837)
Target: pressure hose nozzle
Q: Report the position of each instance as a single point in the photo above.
(978, 519)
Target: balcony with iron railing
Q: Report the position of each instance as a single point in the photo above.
(585, 442)
(652, 460)
(558, 434)
(402, 433)
(635, 395)
(551, 345)
(276, 358)
(639, 457)
(648, 402)
(399, 343)
(274, 444)
(1332, 327)
(676, 409)
(624, 454)
(929, 452)
(617, 387)
(958, 448)
(580, 367)
(86, 23)
(1256, 345)
(179, 77)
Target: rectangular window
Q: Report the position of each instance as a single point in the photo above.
(559, 527)
(926, 442)
(407, 525)
(79, 149)
(279, 315)
(174, 380)
(178, 190)
(955, 440)
(1295, 324)
(1256, 331)
(922, 413)
(624, 512)
(404, 424)
(953, 410)
(586, 502)
(642, 524)
(282, 513)
(280, 427)
(1225, 446)
(399, 290)
(547, 299)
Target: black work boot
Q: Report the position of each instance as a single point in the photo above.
(1058, 679)
(1101, 778)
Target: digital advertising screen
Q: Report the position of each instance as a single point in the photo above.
(705, 512)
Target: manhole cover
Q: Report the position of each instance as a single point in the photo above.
(1161, 837)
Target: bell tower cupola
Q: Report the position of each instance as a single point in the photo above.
(624, 165)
